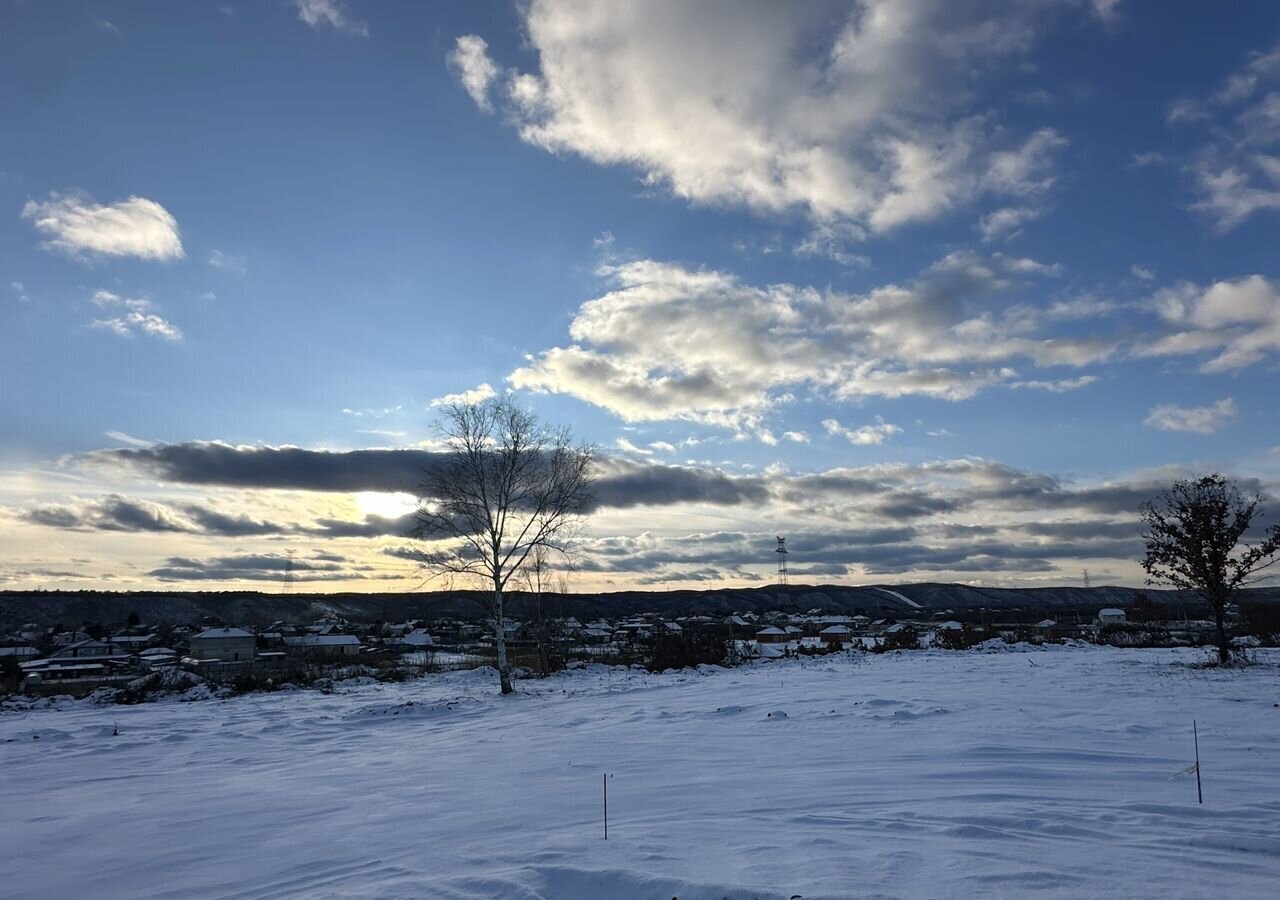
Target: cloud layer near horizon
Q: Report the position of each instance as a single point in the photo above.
(955, 516)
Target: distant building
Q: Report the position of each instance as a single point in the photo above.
(89, 649)
(133, 642)
(323, 644)
(1110, 616)
(415, 641)
(836, 634)
(224, 645)
(158, 657)
(20, 654)
(771, 635)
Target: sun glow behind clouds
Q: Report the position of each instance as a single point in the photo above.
(379, 503)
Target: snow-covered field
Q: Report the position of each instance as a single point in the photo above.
(1045, 773)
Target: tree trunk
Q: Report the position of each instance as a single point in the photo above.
(1224, 647)
(500, 632)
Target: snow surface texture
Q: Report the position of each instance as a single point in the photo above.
(1044, 774)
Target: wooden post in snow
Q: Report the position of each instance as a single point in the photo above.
(1196, 735)
(604, 778)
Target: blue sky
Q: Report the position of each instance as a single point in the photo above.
(833, 256)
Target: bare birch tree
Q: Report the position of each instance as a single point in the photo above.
(1194, 532)
(506, 491)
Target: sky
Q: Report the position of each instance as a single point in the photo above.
(940, 291)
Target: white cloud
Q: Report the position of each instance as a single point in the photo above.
(865, 114)
(1060, 386)
(1106, 10)
(331, 13)
(1231, 193)
(866, 435)
(833, 241)
(1260, 69)
(373, 413)
(798, 437)
(663, 446)
(627, 446)
(1143, 160)
(1026, 266)
(78, 226)
(669, 342)
(1083, 307)
(133, 323)
(476, 395)
(129, 439)
(1144, 273)
(229, 262)
(1197, 419)
(20, 291)
(137, 317)
(1007, 222)
(1237, 170)
(470, 57)
(1239, 319)
(107, 298)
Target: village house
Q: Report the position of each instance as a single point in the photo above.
(836, 634)
(158, 658)
(1110, 616)
(20, 654)
(416, 641)
(323, 645)
(133, 642)
(89, 649)
(224, 645)
(595, 634)
(771, 635)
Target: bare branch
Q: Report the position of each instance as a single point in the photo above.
(508, 491)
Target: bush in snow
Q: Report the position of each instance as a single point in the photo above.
(905, 639)
(688, 649)
(957, 638)
(1127, 635)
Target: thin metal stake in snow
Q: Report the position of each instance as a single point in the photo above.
(1196, 735)
(604, 777)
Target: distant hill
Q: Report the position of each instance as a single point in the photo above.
(252, 608)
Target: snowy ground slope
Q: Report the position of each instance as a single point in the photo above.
(1036, 774)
